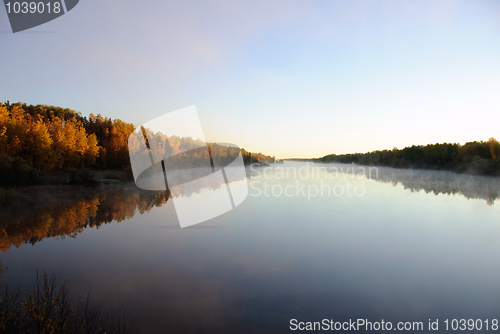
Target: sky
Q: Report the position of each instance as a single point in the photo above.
(286, 78)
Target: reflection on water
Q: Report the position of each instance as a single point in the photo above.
(471, 186)
(65, 213)
(68, 213)
(192, 181)
(56, 215)
(436, 182)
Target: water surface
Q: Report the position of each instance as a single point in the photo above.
(407, 246)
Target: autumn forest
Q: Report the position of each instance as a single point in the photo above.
(39, 140)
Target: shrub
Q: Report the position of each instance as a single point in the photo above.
(15, 171)
(48, 309)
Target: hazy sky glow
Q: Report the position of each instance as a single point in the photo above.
(286, 78)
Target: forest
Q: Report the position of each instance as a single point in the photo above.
(36, 141)
(478, 157)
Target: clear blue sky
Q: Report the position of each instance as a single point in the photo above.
(287, 78)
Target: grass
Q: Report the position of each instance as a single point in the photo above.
(47, 309)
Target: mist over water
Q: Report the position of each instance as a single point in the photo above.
(416, 245)
(436, 182)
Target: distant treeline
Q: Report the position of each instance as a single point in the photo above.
(38, 139)
(474, 157)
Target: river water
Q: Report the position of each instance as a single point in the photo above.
(310, 242)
